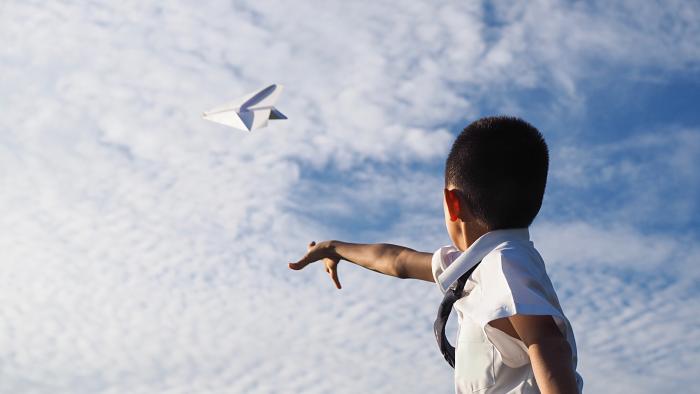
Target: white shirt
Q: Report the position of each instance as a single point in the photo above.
(511, 279)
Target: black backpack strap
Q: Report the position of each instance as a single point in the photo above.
(451, 296)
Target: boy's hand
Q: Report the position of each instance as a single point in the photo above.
(321, 251)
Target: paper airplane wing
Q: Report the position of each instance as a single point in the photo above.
(265, 98)
(233, 105)
(275, 114)
(255, 119)
(229, 118)
(242, 120)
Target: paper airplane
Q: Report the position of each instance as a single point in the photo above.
(249, 112)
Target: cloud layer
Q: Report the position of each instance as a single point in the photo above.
(144, 250)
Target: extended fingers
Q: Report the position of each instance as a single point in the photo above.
(334, 276)
(304, 261)
(332, 269)
(299, 264)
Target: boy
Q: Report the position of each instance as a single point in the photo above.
(513, 336)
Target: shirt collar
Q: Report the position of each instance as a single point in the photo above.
(477, 251)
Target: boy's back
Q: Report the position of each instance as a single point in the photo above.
(510, 279)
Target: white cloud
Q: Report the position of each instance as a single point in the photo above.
(647, 179)
(143, 249)
(569, 48)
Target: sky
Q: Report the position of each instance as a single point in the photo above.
(145, 250)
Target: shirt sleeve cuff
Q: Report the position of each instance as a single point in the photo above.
(441, 260)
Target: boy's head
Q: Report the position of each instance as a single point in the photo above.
(497, 167)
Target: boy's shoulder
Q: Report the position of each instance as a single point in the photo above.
(515, 257)
(513, 264)
(500, 254)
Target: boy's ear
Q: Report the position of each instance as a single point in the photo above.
(453, 204)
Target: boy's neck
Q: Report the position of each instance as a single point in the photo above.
(473, 231)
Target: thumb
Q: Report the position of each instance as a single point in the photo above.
(299, 264)
(306, 260)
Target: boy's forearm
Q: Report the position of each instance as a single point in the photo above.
(382, 258)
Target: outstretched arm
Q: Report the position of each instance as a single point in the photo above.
(387, 259)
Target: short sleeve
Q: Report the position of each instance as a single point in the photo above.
(442, 258)
(512, 282)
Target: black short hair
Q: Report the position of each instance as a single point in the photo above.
(500, 165)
